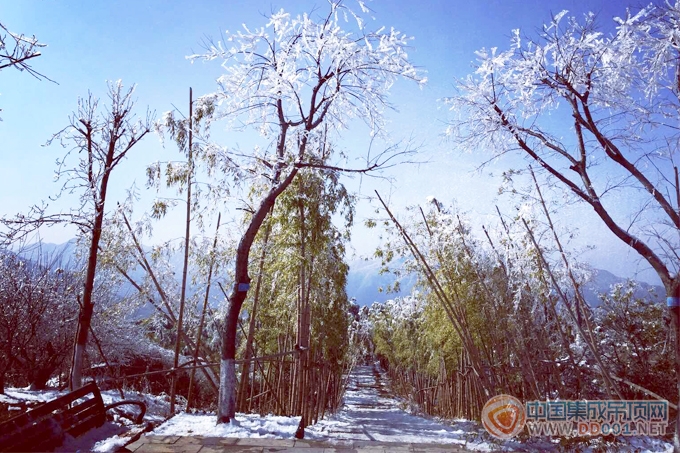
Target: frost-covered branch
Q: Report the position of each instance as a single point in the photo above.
(620, 111)
(17, 49)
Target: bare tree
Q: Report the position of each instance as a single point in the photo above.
(102, 139)
(598, 113)
(299, 81)
(38, 305)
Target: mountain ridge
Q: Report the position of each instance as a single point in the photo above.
(366, 285)
(363, 285)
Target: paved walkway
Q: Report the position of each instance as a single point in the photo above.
(371, 413)
(176, 444)
(370, 421)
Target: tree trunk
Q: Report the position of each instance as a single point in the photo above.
(226, 406)
(118, 135)
(245, 371)
(40, 378)
(673, 301)
(303, 323)
(87, 309)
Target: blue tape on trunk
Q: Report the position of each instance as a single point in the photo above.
(673, 302)
(243, 287)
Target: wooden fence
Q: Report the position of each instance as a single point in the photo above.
(451, 394)
(288, 383)
(301, 384)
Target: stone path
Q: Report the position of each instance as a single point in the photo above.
(176, 444)
(370, 421)
(371, 413)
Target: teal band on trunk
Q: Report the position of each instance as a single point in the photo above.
(673, 302)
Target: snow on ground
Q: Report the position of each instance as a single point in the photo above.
(92, 440)
(108, 437)
(18, 395)
(366, 415)
(369, 415)
(245, 425)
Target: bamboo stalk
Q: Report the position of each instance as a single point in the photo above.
(593, 349)
(199, 334)
(580, 302)
(455, 316)
(164, 298)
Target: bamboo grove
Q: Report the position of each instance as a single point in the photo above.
(295, 333)
(299, 310)
(295, 339)
(502, 311)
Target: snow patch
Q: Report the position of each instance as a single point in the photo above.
(247, 425)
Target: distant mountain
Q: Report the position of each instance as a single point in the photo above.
(603, 281)
(55, 255)
(63, 255)
(364, 281)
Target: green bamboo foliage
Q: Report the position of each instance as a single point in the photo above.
(514, 294)
(301, 253)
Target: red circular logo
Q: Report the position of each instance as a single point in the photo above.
(504, 416)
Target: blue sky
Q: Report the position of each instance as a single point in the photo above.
(145, 42)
